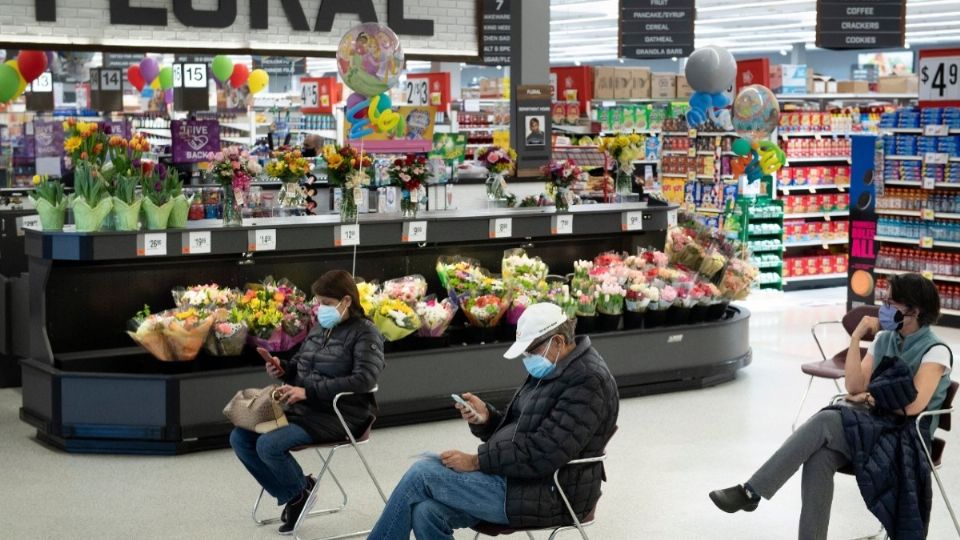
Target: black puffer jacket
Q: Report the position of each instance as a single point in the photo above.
(348, 358)
(570, 414)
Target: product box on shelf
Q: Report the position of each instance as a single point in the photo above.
(853, 87)
(823, 84)
(683, 87)
(623, 83)
(663, 86)
(902, 84)
(575, 83)
(790, 78)
(640, 83)
(604, 83)
(753, 71)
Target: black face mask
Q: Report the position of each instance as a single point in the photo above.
(309, 152)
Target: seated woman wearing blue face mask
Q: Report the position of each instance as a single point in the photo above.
(566, 409)
(872, 438)
(342, 353)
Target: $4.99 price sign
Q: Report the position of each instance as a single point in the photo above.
(940, 78)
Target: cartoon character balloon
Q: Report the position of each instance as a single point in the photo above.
(370, 59)
(756, 112)
(710, 72)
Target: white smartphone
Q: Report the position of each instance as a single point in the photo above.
(463, 402)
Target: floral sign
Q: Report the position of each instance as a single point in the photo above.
(194, 140)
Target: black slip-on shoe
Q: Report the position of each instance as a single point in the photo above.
(734, 499)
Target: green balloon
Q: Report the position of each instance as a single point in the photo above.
(222, 67)
(166, 78)
(741, 147)
(9, 83)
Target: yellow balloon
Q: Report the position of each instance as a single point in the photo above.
(385, 120)
(257, 81)
(23, 82)
(155, 84)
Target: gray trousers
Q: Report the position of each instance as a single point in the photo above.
(820, 446)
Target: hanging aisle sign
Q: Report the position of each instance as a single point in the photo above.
(852, 24)
(656, 28)
(496, 33)
(106, 89)
(940, 78)
(191, 87)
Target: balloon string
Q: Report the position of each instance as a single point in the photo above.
(356, 216)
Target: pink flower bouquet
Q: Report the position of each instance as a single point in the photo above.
(409, 289)
(435, 316)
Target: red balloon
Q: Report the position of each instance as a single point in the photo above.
(32, 64)
(135, 78)
(240, 75)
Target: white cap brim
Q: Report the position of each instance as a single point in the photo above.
(522, 345)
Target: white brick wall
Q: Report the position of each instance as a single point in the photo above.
(87, 22)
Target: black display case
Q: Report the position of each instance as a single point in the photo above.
(86, 388)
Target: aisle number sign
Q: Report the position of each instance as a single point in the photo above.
(940, 78)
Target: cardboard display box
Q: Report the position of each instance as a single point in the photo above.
(604, 82)
(822, 84)
(790, 79)
(573, 84)
(663, 86)
(639, 83)
(853, 87)
(903, 84)
(683, 88)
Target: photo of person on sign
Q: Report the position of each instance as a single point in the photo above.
(535, 137)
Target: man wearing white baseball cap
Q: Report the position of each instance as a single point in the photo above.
(566, 409)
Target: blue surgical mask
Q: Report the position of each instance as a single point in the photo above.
(538, 365)
(891, 318)
(328, 316)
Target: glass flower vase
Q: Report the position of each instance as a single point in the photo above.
(496, 187)
(624, 181)
(408, 207)
(232, 212)
(562, 199)
(348, 207)
(292, 195)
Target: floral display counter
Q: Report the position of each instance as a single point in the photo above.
(87, 387)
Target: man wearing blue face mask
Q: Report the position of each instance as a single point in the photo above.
(566, 409)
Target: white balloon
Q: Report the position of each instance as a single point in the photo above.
(711, 69)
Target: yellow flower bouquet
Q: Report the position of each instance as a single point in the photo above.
(396, 319)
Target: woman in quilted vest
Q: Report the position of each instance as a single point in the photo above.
(342, 353)
(872, 430)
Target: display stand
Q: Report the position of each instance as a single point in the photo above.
(87, 389)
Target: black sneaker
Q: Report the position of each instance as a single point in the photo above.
(734, 499)
(291, 512)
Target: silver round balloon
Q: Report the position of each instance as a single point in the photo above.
(711, 70)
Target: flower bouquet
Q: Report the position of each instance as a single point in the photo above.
(91, 201)
(370, 296)
(586, 310)
(609, 305)
(581, 275)
(205, 298)
(683, 249)
(499, 162)
(409, 174)
(484, 311)
(704, 294)
(460, 275)
(234, 169)
(348, 170)
(522, 269)
(636, 300)
(435, 316)
(624, 149)
(737, 279)
(679, 311)
(396, 319)
(276, 313)
(227, 337)
(559, 176)
(521, 301)
(559, 295)
(408, 289)
(290, 167)
(713, 262)
(661, 298)
(172, 336)
(50, 201)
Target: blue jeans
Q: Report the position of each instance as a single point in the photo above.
(268, 459)
(432, 500)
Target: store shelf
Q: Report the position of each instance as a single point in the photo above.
(646, 162)
(815, 277)
(936, 277)
(676, 134)
(904, 183)
(718, 134)
(813, 188)
(901, 130)
(471, 129)
(238, 140)
(673, 175)
(903, 158)
(947, 185)
(953, 312)
(159, 132)
(810, 243)
(674, 152)
(822, 215)
(709, 210)
(821, 159)
(844, 97)
(915, 213)
(829, 134)
(915, 241)
(326, 133)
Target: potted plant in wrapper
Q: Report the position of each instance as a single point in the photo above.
(586, 311)
(157, 203)
(609, 305)
(126, 203)
(50, 201)
(409, 174)
(91, 201)
(349, 171)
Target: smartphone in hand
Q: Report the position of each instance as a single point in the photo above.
(269, 358)
(463, 402)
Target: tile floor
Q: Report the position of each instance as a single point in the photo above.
(670, 451)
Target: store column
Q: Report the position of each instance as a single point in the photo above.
(530, 93)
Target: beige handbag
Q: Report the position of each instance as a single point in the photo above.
(256, 409)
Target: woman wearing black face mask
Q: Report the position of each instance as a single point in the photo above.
(836, 438)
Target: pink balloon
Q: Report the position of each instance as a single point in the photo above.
(168, 96)
(149, 69)
(355, 99)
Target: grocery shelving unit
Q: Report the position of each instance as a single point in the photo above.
(761, 229)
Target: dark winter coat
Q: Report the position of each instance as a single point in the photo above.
(348, 358)
(569, 414)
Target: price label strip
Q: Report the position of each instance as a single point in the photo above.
(671, 219)
(414, 231)
(562, 224)
(936, 158)
(926, 242)
(28, 222)
(262, 240)
(928, 214)
(152, 245)
(929, 182)
(632, 221)
(936, 130)
(196, 243)
(346, 235)
(501, 228)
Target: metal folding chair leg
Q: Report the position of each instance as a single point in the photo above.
(320, 512)
(803, 400)
(881, 535)
(313, 494)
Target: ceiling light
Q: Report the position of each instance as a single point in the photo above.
(621, 60)
(783, 52)
(499, 68)
(675, 59)
(739, 7)
(576, 62)
(760, 17)
(906, 45)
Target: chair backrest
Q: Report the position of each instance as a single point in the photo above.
(945, 420)
(855, 315)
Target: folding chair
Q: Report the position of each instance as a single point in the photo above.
(934, 455)
(833, 367)
(492, 529)
(349, 442)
